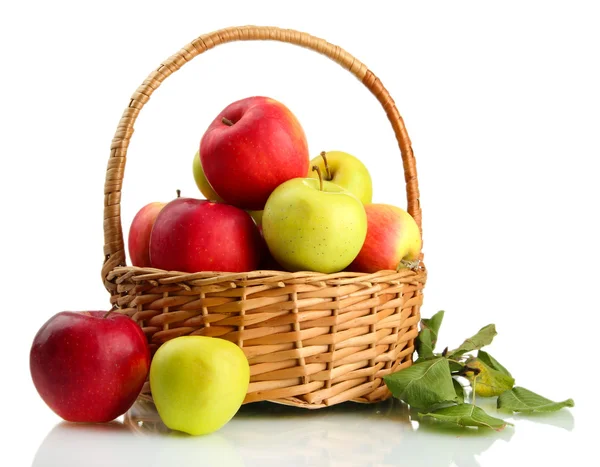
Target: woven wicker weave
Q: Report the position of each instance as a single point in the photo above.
(312, 339)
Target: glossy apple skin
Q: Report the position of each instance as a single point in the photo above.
(88, 368)
(264, 147)
(198, 383)
(138, 240)
(307, 229)
(392, 236)
(192, 235)
(346, 171)
(202, 182)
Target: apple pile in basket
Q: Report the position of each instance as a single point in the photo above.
(267, 206)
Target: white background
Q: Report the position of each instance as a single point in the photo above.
(501, 100)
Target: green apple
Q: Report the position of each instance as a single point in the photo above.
(313, 226)
(346, 171)
(198, 383)
(202, 182)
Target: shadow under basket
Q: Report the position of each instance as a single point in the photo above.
(312, 340)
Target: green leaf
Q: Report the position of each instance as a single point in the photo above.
(456, 366)
(423, 385)
(427, 338)
(460, 392)
(523, 400)
(433, 324)
(488, 382)
(492, 362)
(467, 415)
(424, 345)
(482, 338)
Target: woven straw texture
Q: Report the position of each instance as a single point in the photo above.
(312, 340)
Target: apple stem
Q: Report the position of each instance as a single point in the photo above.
(316, 169)
(226, 121)
(178, 193)
(408, 264)
(106, 315)
(328, 174)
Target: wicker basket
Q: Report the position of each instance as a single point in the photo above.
(312, 340)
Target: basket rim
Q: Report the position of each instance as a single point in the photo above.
(138, 274)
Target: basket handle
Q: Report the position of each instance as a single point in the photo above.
(114, 249)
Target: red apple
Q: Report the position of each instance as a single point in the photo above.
(252, 147)
(139, 234)
(88, 367)
(192, 235)
(392, 236)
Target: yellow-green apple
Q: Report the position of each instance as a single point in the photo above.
(313, 225)
(139, 234)
(198, 383)
(192, 235)
(392, 236)
(89, 366)
(251, 147)
(346, 171)
(202, 182)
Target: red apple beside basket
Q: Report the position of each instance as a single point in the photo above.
(312, 340)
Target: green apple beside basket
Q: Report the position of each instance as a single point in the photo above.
(312, 340)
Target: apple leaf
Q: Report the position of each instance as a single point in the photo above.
(424, 344)
(482, 338)
(433, 324)
(423, 385)
(427, 338)
(492, 362)
(523, 400)
(460, 391)
(456, 366)
(487, 382)
(467, 415)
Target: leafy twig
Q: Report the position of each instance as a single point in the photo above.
(429, 383)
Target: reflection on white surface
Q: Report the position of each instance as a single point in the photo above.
(265, 435)
(561, 419)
